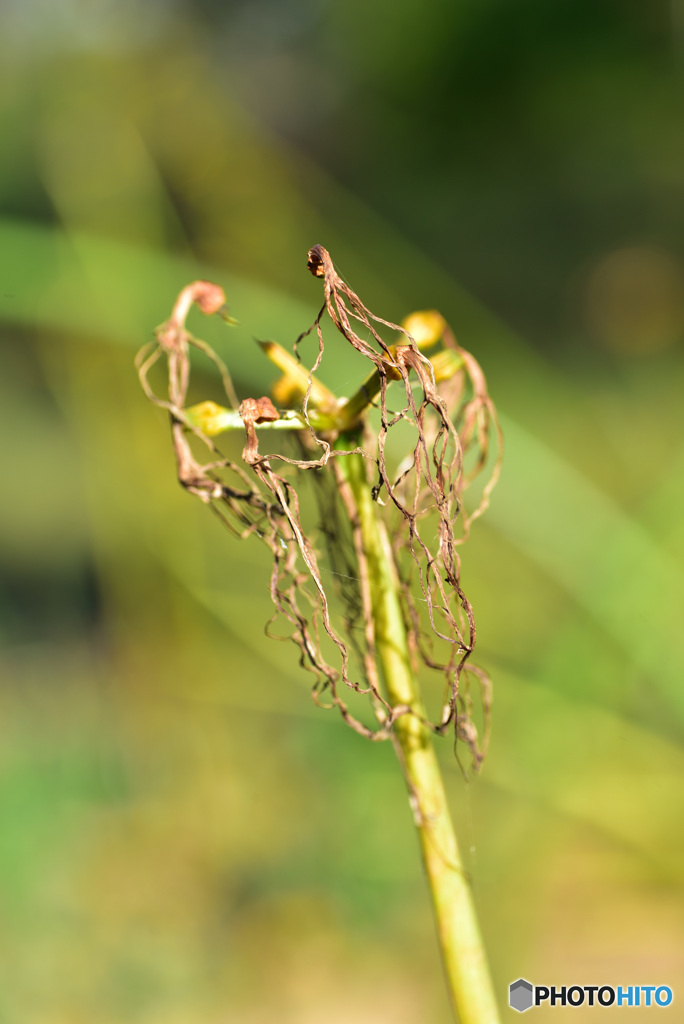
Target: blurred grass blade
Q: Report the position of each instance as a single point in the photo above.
(601, 556)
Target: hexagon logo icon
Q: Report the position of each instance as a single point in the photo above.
(520, 995)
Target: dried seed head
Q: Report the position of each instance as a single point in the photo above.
(444, 402)
(315, 261)
(208, 297)
(258, 410)
(255, 410)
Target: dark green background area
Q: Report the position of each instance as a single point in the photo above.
(184, 837)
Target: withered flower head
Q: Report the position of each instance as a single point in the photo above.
(420, 509)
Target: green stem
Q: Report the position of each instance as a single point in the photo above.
(349, 411)
(461, 944)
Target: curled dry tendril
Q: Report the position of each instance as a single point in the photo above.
(420, 492)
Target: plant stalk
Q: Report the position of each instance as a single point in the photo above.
(463, 953)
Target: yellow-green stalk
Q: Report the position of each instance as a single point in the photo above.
(462, 949)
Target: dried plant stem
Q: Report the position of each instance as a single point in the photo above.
(462, 948)
(454, 418)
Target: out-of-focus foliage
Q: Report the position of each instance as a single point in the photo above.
(183, 837)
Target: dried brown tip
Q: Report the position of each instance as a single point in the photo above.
(258, 410)
(316, 261)
(255, 410)
(208, 297)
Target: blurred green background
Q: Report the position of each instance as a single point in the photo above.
(183, 836)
